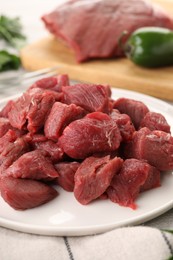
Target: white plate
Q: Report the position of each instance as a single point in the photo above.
(64, 216)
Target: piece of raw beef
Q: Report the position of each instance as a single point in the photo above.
(31, 109)
(155, 121)
(134, 176)
(93, 177)
(6, 109)
(35, 165)
(9, 137)
(124, 124)
(59, 117)
(12, 151)
(66, 171)
(24, 194)
(52, 83)
(94, 28)
(88, 96)
(135, 109)
(4, 126)
(156, 147)
(52, 148)
(94, 133)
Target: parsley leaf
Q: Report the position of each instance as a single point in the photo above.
(8, 61)
(11, 31)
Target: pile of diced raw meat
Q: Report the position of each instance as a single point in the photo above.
(79, 138)
(94, 29)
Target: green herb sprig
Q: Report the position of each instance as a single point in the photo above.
(8, 61)
(10, 33)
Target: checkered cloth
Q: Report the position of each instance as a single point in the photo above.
(131, 243)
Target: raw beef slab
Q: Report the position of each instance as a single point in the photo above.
(93, 28)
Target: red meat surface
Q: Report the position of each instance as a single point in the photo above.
(24, 194)
(52, 148)
(93, 177)
(96, 132)
(88, 96)
(156, 147)
(153, 179)
(93, 28)
(33, 165)
(155, 121)
(133, 177)
(59, 117)
(124, 124)
(53, 83)
(74, 136)
(12, 151)
(6, 109)
(4, 126)
(136, 110)
(66, 171)
(31, 109)
(9, 137)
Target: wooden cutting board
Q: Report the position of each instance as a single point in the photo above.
(120, 73)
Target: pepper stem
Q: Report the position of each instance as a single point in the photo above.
(120, 40)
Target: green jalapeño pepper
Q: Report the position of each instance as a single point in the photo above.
(150, 47)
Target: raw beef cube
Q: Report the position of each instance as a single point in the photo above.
(32, 91)
(23, 194)
(133, 108)
(90, 97)
(33, 165)
(52, 148)
(62, 80)
(124, 124)
(153, 179)
(38, 111)
(94, 28)
(36, 138)
(104, 196)
(60, 116)
(12, 151)
(4, 126)
(31, 109)
(96, 132)
(66, 171)
(155, 121)
(53, 83)
(6, 109)
(133, 148)
(19, 109)
(126, 185)
(93, 177)
(9, 137)
(156, 147)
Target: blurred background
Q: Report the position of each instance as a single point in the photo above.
(29, 13)
(119, 73)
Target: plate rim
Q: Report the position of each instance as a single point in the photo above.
(92, 229)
